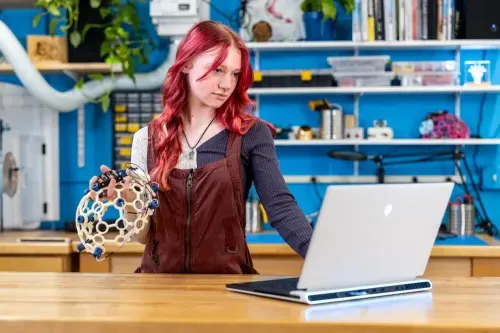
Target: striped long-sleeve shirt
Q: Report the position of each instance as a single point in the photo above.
(260, 167)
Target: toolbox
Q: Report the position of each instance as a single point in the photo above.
(292, 78)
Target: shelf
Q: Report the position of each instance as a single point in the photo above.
(5, 4)
(375, 90)
(85, 68)
(327, 179)
(394, 142)
(347, 45)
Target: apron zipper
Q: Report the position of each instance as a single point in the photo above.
(189, 184)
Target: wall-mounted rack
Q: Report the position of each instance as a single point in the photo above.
(456, 46)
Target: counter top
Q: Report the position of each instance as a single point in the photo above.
(54, 242)
(125, 303)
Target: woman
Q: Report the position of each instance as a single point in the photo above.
(205, 152)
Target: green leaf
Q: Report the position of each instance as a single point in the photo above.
(95, 3)
(75, 38)
(52, 26)
(112, 60)
(85, 30)
(329, 10)
(36, 19)
(122, 33)
(65, 28)
(105, 102)
(104, 12)
(79, 83)
(96, 76)
(52, 8)
(105, 48)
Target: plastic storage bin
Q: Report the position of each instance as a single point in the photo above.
(292, 78)
(427, 73)
(355, 79)
(429, 79)
(425, 66)
(359, 64)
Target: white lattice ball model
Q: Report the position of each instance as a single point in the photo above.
(91, 225)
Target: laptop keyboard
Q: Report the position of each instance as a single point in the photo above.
(277, 287)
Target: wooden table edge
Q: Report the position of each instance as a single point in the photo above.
(464, 251)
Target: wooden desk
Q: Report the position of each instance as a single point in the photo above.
(35, 256)
(280, 259)
(98, 303)
(269, 259)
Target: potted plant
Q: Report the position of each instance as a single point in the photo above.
(320, 17)
(124, 41)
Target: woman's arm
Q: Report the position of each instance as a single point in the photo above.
(280, 205)
(139, 158)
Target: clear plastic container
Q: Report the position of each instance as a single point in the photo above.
(429, 79)
(354, 79)
(424, 66)
(359, 64)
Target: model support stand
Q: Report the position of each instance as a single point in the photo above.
(90, 213)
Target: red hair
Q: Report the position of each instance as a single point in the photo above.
(233, 114)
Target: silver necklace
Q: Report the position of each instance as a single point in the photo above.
(191, 152)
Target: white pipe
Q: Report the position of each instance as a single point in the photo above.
(70, 100)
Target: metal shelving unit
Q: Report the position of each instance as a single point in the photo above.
(452, 45)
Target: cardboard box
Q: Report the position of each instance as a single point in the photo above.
(45, 49)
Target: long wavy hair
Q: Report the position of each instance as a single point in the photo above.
(234, 114)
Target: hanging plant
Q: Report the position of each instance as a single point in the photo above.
(125, 41)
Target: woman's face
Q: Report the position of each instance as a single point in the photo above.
(216, 87)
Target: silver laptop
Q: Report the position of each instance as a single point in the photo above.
(368, 241)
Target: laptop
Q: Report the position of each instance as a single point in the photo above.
(368, 241)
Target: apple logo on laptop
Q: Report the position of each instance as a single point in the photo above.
(387, 209)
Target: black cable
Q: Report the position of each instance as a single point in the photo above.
(477, 214)
(478, 133)
(316, 189)
(484, 221)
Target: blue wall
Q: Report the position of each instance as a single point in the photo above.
(403, 113)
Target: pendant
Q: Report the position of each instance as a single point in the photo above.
(191, 154)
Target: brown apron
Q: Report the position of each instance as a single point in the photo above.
(199, 226)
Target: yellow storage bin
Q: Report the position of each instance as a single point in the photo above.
(120, 127)
(121, 118)
(132, 128)
(124, 152)
(125, 140)
(120, 108)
